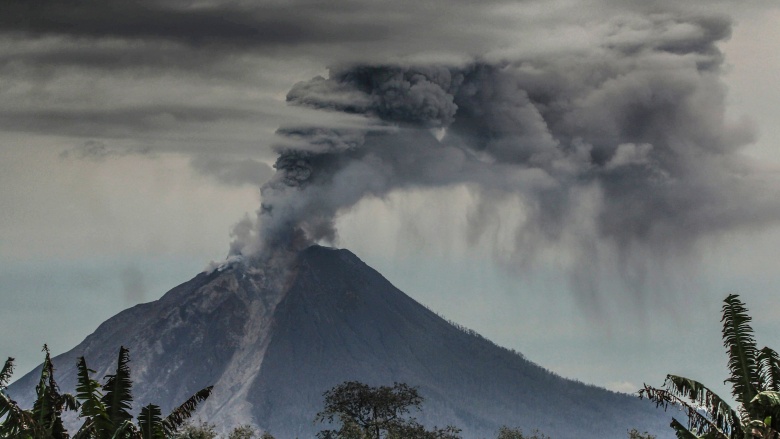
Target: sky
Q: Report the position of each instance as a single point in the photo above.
(583, 182)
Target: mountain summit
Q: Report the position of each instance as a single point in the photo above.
(271, 354)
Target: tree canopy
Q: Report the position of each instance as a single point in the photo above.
(367, 412)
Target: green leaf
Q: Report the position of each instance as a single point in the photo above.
(43, 405)
(6, 372)
(741, 349)
(766, 406)
(16, 421)
(680, 431)
(125, 430)
(92, 407)
(180, 414)
(769, 366)
(150, 422)
(50, 403)
(117, 397)
(722, 415)
(87, 430)
(717, 417)
(768, 400)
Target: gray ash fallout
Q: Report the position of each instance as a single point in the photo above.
(622, 149)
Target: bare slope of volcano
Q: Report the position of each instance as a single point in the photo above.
(212, 329)
(341, 320)
(271, 356)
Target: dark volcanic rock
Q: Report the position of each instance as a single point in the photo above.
(271, 356)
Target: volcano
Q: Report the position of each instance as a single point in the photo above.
(271, 353)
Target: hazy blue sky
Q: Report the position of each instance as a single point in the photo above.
(134, 136)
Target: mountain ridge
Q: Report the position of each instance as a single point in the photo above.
(271, 355)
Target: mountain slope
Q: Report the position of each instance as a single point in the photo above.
(271, 356)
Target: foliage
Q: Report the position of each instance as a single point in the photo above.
(635, 434)
(202, 430)
(242, 432)
(516, 433)
(366, 412)
(104, 409)
(117, 397)
(44, 420)
(754, 377)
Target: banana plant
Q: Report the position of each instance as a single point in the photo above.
(44, 420)
(105, 409)
(50, 403)
(754, 376)
(16, 422)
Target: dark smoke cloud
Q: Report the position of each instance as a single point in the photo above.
(625, 145)
(221, 23)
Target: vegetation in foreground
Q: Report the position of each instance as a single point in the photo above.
(359, 411)
(366, 412)
(354, 410)
(104, 409)
(755, 383)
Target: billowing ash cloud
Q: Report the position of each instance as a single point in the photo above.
(624, 145)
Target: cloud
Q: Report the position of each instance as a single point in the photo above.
(98, 151)
(604, 121)
(233, 171)
(267, 23)
(621, 151)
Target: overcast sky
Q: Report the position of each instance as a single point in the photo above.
(135, 135)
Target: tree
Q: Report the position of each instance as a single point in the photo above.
(242, 432)
(203, 430)
(367, 412)
(635, 434)
(516, 433)
(755, 381)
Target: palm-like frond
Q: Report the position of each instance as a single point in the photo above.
(150, 422)
(183, 412)
(681, 432)
(125, 430)
(6, 372)
(769, 367)
(50, 403)
(117, 397)
(87, 430)
(741, 349)
(698, 418)
(42, 408)
(724, 417)
(92, 408)
(15, 420)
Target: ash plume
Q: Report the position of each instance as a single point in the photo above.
(624, 146)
